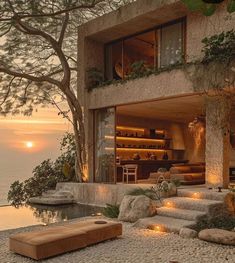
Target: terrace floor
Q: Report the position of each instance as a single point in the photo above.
(136, 245)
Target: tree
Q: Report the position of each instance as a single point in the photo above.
(38, 58)
(208, 7)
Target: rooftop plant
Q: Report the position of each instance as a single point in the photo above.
(208, 7)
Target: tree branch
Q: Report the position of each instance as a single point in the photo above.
(8, 91)
(64, 26)
(60, 12)
(27, 29)
(30, 77)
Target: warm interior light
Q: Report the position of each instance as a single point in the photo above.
(139, 139)
(169, 204)
(140, 150)
(196, 195)
(157, 228)
(130, 128)
(109, 149)
(109, 137)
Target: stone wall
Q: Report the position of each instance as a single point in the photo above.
(98, 194)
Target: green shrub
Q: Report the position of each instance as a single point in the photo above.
(220, 47)
(111, 211)
(140, 191)
(222, 222)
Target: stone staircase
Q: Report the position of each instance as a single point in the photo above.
(185, 210)
(54, 197)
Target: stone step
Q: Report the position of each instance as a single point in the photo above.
(203, 193)
(164, 223)
(204, 205)
(191, 215)
(48, 193)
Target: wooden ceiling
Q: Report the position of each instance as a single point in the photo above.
(183, 109)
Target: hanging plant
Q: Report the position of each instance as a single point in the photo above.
(208, 7)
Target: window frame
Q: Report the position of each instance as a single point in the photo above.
(157, 44)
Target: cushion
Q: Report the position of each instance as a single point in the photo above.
(98, 232)
(57, 240)
(47, 243)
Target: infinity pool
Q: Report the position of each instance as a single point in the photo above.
(11, 217)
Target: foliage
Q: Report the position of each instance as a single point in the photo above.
(155, 192)
(111, 211)
(46, 175)
(220, 47)
(221, 222)
(208, 7)
(16, 194)
(139, 69)
(95, 77)
(140, 191)
(139, 73)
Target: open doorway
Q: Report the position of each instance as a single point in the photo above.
(167, 134)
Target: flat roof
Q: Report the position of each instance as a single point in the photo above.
(132, 18)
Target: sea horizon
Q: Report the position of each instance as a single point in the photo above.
(25, 142)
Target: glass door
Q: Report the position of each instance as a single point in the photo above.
(104, 150)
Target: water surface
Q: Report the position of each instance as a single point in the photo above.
(11, 217)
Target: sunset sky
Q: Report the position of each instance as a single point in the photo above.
(26, 141)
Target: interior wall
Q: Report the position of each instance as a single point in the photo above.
(182, 140)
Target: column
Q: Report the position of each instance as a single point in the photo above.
(218, 109)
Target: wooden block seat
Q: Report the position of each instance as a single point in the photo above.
(58, 240)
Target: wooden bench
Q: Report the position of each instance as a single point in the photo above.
(61, 239)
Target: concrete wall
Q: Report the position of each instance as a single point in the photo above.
(98, 194)
(92, 37)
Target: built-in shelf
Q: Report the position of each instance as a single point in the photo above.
(134, 138)
(142, 149)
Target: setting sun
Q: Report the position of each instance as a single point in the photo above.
(29, 144)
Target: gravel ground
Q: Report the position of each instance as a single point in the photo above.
(137, 246)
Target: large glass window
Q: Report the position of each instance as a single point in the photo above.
(156, 48)
(171, 45)
(139, 49)
(105, 145)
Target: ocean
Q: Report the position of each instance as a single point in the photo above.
(27, 141)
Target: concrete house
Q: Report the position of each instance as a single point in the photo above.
(159, 120)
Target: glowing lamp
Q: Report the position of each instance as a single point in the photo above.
(196, 195)
(169, 204)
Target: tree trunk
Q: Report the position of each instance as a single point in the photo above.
(79, 135)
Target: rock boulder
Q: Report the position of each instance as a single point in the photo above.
(219, 236)
(133, 208)
(187, 233)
